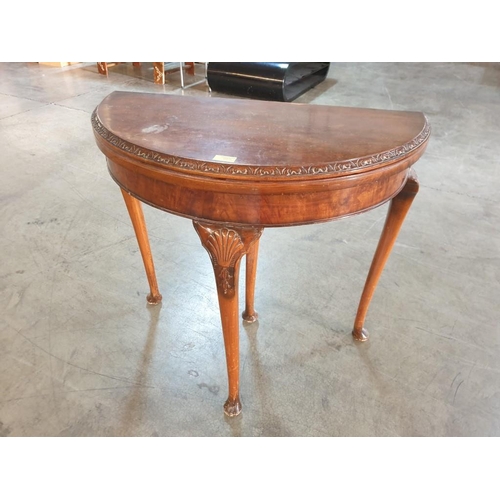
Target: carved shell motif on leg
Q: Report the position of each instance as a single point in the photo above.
(225, 246)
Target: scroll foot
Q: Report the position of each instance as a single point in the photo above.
(154, 299)
(232, 407)
(250, 318)
(361, 335)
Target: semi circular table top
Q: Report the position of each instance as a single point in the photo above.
(255, 162)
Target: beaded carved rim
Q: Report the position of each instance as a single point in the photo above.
(337, 167)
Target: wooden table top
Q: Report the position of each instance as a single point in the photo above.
(247, 138)
(256, 162)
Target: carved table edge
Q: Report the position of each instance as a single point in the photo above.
(269, 172)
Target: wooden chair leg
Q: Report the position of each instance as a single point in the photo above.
(250, 314)
(137, 217)
(102, 68)
(226, 246)
(159, 73)
(398, 209)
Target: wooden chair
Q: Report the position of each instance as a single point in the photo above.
(161, 68)
(102, 67)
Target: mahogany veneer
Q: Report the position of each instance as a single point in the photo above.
(235, 167)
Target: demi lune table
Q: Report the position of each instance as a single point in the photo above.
(237, 166)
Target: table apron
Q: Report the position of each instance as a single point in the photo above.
(258, 203)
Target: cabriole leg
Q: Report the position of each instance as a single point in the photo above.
(102, 67)
(249, 314)
(137, 217)
(398, 209)
(226, 245)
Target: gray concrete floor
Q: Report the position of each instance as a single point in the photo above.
(81, 354)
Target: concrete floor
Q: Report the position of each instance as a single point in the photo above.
(81, 354)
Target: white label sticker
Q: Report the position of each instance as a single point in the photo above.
(230, 159)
